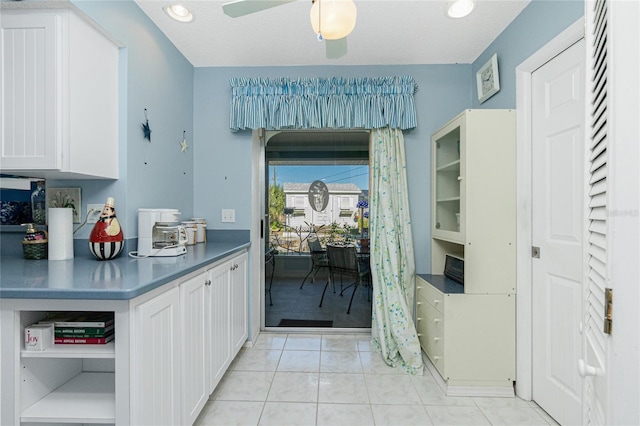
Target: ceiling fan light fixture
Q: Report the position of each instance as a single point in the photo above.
(460, 8)
(333, 19)
(179, 13)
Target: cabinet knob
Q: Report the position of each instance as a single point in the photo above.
(459, 177)
(436, 301)
(436, 320)
(436, 339)
(207, 282)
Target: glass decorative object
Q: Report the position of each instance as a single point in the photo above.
(39, 204)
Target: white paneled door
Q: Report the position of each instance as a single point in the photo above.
(558, 115)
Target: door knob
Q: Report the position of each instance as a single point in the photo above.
(585, 369)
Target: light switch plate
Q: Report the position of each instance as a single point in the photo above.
(228, 215)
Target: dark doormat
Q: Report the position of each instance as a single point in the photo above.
(304, 323)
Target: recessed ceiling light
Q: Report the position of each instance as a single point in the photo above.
(460, 8)
(179, 13)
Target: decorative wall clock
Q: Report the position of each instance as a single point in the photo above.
(487, 79)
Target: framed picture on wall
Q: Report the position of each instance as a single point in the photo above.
(487, 79)
(66, 197)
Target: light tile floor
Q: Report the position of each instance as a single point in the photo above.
(335, 379)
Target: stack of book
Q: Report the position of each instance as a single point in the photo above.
(82, 328)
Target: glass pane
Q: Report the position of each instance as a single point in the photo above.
(447, 185)
(293, 217)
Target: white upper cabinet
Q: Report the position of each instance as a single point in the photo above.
(58, 96)
(474, 198)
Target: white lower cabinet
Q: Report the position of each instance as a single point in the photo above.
(469, 339)
(156, 360)
(220, 332)
(239, 318)
(197, 338)
(172, 347)
(195, 312)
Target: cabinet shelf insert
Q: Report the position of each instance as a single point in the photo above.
(86, 398)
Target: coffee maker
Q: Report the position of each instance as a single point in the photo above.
(160, 234)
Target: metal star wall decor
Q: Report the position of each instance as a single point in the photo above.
(183, 142)
(145, 127)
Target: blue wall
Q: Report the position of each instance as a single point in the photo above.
(536, 25)
(156, 76)
(223, 159)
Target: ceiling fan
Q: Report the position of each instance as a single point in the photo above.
(332, 20)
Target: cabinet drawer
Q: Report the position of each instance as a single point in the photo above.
(429, 294)
(430, 328)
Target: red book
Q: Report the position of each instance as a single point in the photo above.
(82, 340)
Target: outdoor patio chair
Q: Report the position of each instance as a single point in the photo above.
(344, 262)
(318, 258)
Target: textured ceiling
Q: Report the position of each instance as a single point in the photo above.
(387, 32)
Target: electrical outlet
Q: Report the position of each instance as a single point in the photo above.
(95, 214)
(228, 215)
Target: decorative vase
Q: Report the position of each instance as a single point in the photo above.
(106, 240)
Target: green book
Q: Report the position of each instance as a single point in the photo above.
(82, 331)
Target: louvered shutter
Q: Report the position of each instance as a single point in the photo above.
(596, 344)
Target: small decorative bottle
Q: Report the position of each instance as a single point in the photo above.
(38, 204)
(107, 239)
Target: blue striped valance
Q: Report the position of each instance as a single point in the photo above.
(314, 103)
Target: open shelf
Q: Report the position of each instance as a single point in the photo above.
(73, 351)
(443, 200)
(450, 167)
(86, 398)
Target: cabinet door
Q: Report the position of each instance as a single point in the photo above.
(29, 70)
(194, 309)
(219, 322)
(448, 146)
(156, 361)
(238, 276)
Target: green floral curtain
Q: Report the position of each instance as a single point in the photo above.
(392, 261)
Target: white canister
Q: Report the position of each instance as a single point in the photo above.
(201, 233)
(191, 236)
(60, 223)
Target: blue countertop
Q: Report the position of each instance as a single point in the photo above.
(445, 284)
(84, 277)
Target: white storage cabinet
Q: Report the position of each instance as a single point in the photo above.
(59, 95)
(469, 335)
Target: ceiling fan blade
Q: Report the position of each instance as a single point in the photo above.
(239, 8)
(336, 48)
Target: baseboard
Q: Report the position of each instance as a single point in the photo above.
(477, 391)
